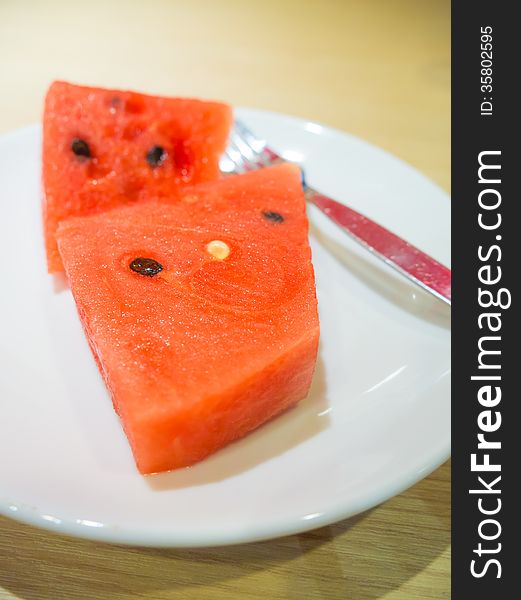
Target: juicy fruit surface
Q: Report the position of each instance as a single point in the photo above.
(104, 148)
(215, 343)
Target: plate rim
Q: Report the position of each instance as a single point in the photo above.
(221, 538)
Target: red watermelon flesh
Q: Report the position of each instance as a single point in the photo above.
(224, 337)
(104, 148)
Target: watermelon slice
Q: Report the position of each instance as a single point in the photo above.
(103, 148)
(202, 314)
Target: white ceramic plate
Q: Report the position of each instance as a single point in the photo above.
(376, 421)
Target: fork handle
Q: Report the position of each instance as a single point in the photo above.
(417, 266)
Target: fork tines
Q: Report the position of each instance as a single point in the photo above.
(245, 152)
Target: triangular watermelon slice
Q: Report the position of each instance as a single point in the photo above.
(104, 148)
(202, 314)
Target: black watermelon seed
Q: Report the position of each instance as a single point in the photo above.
(155, 156)
(273, 216)
(146, 266)
(80, 148)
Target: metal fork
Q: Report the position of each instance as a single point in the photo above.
(246, 152)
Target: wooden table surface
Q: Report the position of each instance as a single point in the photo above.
(378, 69)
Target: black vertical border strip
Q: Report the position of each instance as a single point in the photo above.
(473, 133)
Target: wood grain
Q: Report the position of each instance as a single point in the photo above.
(379, 69)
